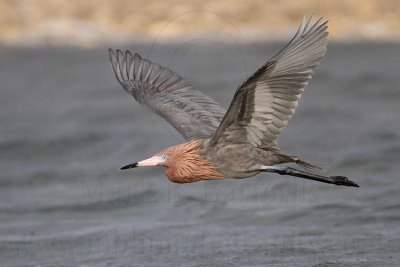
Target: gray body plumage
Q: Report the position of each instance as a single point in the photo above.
(241, 141)
(241, 160)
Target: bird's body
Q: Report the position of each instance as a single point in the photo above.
(242, 141)
(195, 160)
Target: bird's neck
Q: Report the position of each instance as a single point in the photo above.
(188, 165)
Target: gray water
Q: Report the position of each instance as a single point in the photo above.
(67, 126)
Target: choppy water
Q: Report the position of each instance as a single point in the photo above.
(67, 127)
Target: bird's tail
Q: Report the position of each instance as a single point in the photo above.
(307, 164)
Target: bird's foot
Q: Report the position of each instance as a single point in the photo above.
(342, 180)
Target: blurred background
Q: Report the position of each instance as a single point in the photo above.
(67, 127)
(92, 22)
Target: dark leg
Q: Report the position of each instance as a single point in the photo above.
(283, 170)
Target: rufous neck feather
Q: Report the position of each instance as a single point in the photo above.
(185, 164)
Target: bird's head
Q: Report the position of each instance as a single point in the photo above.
(162, 158)
(168, 157)
(183, 163)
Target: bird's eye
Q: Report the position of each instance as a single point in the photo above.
(163, 157)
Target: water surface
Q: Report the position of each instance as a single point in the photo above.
(67, 127)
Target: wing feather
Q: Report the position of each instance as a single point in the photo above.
(264, 104)
(193, 114)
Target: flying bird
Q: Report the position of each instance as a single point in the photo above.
(242, 141)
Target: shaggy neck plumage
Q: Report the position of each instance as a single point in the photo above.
(186, 165)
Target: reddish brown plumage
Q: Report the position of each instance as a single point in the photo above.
(185, 164)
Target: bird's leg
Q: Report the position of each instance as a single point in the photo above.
(284, 170)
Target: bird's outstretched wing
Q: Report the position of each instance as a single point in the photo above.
(193, 114)
(263, 105)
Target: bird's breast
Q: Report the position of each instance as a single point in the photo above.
(189, 173)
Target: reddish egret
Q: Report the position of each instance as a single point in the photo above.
(242, 141)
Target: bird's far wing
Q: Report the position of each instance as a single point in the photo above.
(263, 105)
(193, 114)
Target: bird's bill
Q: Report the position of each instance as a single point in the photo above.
(129, 166)
(153, 161)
